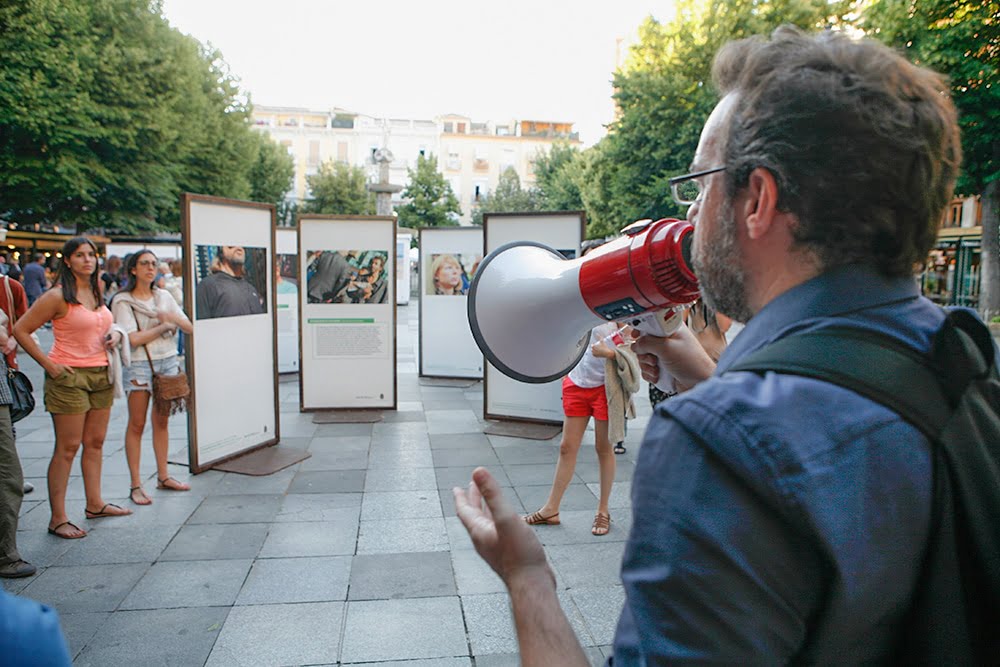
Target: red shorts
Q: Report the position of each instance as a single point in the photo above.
(583, 402)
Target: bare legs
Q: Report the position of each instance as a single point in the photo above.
(569, 448)
(138, 406)
(89, 430)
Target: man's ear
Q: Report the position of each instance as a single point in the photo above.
(760, 202)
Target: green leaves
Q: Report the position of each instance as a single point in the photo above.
(340, 189)
(429, 199)
(107, 114)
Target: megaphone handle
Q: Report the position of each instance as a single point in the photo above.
(661, 323)
(665, 381)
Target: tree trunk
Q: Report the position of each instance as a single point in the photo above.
(989, 291)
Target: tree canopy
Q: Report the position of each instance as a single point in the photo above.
(107, 114)
(508, 197)
(428, 198)
(961, 39)
(340, 189)
(272, 174)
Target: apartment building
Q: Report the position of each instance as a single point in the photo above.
(471, 155)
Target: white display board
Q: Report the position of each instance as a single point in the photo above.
(163, 251)
(347, 312)
(503, 397)
(449, 257)
(403, 268)
(231, 357)
(286, 292)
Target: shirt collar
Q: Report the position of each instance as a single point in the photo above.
(839, 291)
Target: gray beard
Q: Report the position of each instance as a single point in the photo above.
(720, 274)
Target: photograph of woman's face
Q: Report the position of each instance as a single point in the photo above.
(450, 274)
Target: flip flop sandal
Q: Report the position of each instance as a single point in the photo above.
(101, 513)
(537, 519)
(55, 531)
(162, 484)
(619, 448)
(602, 525)
(131, 496)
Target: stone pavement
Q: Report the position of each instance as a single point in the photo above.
(353, 556)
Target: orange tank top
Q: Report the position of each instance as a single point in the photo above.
(79, 337)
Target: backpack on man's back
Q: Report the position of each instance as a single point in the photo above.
(953, 396)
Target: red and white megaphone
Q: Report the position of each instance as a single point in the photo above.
(531, 310)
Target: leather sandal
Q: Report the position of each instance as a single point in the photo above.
(162, 484)
(536, 519)
(142, 494)
(55, 531)
(101, 513)
(602, 524)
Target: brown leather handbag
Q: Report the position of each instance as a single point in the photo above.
(170, 392)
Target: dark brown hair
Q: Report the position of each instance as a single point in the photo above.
(66, 277)
(864, 145)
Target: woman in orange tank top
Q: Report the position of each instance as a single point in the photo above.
(78, 393)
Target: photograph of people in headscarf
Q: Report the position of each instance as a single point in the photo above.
(230, 280)
(451, 274)
(347, 276)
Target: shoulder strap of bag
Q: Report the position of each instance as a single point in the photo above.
(149, 359)
(866, 362)
(10, 302)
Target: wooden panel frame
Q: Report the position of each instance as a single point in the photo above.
(395, 307)
(420, 305)
(187, 252)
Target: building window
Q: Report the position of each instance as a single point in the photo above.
(460, 128)
(342, 151)
(449, 127)
(313, 153)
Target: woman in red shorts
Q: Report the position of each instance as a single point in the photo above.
(583, 397)
(78, 392)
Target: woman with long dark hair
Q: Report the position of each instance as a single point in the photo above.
(151, 318)
(78, 390)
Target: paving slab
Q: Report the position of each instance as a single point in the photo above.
(491, 628)
(320, 507)
(383, 505)
(283, 634)
(85, 588)
(408, 629)
(216, 542)
(80, 628)
(290, 580)
(400, 479)
(600, 608)
(140, 544)
(155, 638)
(408, 575)
(237, 509)
(313, 538)
(328, 481)
(177, 584)
(402, 535)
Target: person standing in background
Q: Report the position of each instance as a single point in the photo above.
(34, 278)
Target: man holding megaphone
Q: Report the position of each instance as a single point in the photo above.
(776, 518)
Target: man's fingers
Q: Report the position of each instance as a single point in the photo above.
(497, 505)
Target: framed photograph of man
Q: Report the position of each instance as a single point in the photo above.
(232, 354)
(347, 276)
(230, 281)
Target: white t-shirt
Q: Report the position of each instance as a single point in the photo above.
(161, 347)
(589, 373)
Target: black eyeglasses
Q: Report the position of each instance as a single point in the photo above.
(687, 188)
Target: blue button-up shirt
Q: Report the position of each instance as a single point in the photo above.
(780, 518)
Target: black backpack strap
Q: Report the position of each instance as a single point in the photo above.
(872, 364)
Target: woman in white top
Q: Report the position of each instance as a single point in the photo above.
(151, 317)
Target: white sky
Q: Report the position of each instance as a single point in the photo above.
(523, 59)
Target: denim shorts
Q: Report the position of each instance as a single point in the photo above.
(137, 377)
